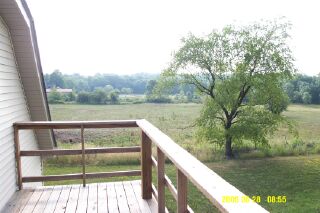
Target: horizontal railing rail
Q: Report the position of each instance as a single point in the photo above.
(83, 151)
(80, 176)
(188, 167)
(76, 124)
(79, 151)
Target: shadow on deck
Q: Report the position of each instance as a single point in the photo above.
(112, 197)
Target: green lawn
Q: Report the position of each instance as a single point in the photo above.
(297, 178)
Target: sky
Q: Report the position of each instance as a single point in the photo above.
(133, 36)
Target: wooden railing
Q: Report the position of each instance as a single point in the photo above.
(188, 167)
(83, 151)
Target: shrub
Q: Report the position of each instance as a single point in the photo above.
(98, 97)
(158, 99)
(55, 97)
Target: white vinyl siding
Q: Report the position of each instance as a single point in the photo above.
(13, 107)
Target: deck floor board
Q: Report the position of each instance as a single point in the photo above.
(41, 205)
(122, 197)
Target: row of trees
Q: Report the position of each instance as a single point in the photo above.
(106, 95)
(301, 89)
(106, 88)
(125, 84)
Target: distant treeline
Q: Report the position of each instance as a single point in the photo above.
(304, 89)
(106, 88)
(136, 83)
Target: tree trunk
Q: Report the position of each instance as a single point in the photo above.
(229, 153)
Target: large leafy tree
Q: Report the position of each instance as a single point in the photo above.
(240, 70)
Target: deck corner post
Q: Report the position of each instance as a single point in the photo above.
(18, 156)
(146, 167)
(182, 182)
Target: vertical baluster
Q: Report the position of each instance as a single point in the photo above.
(182, 192)
(83, 158)
(161, 181)
(18, 157)
(146, 167)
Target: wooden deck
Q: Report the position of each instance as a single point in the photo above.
(96, 197)
(122, 196)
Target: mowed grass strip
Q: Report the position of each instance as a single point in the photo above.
(297, 178)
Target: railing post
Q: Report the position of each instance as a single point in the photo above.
(18, 157)
(146, 167)
(83, 158)
(182, 182)
(161, 181)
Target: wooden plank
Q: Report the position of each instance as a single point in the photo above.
(161, 181)
(41, 205)
(131, 198)
(182, 186)
(112, 198)
(53, 199)
(83, 199)
(18, 157)
(32, 202)
(52, 178)
(121, 198)
(76, 124)
(18, 201)
(83, 158)
(63, 199)
(152, 203)
(102, 198)
(208, 182)
(79, 151)
(143, 204)
(146, 166)
(93, 198)
(73, 199)
(79, 176)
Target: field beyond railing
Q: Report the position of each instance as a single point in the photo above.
(188, 167)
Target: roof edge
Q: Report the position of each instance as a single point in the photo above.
(39, 66)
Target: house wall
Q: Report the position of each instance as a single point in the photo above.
(13, 107)
(20, 23)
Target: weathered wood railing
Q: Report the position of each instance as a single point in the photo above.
(83, 151)
(188, 167)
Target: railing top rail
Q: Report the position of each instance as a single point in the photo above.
(208, 182)
(75, 124)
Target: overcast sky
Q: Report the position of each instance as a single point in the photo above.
(131, 36)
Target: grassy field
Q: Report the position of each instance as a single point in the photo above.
(297, 177)
(177, 121)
